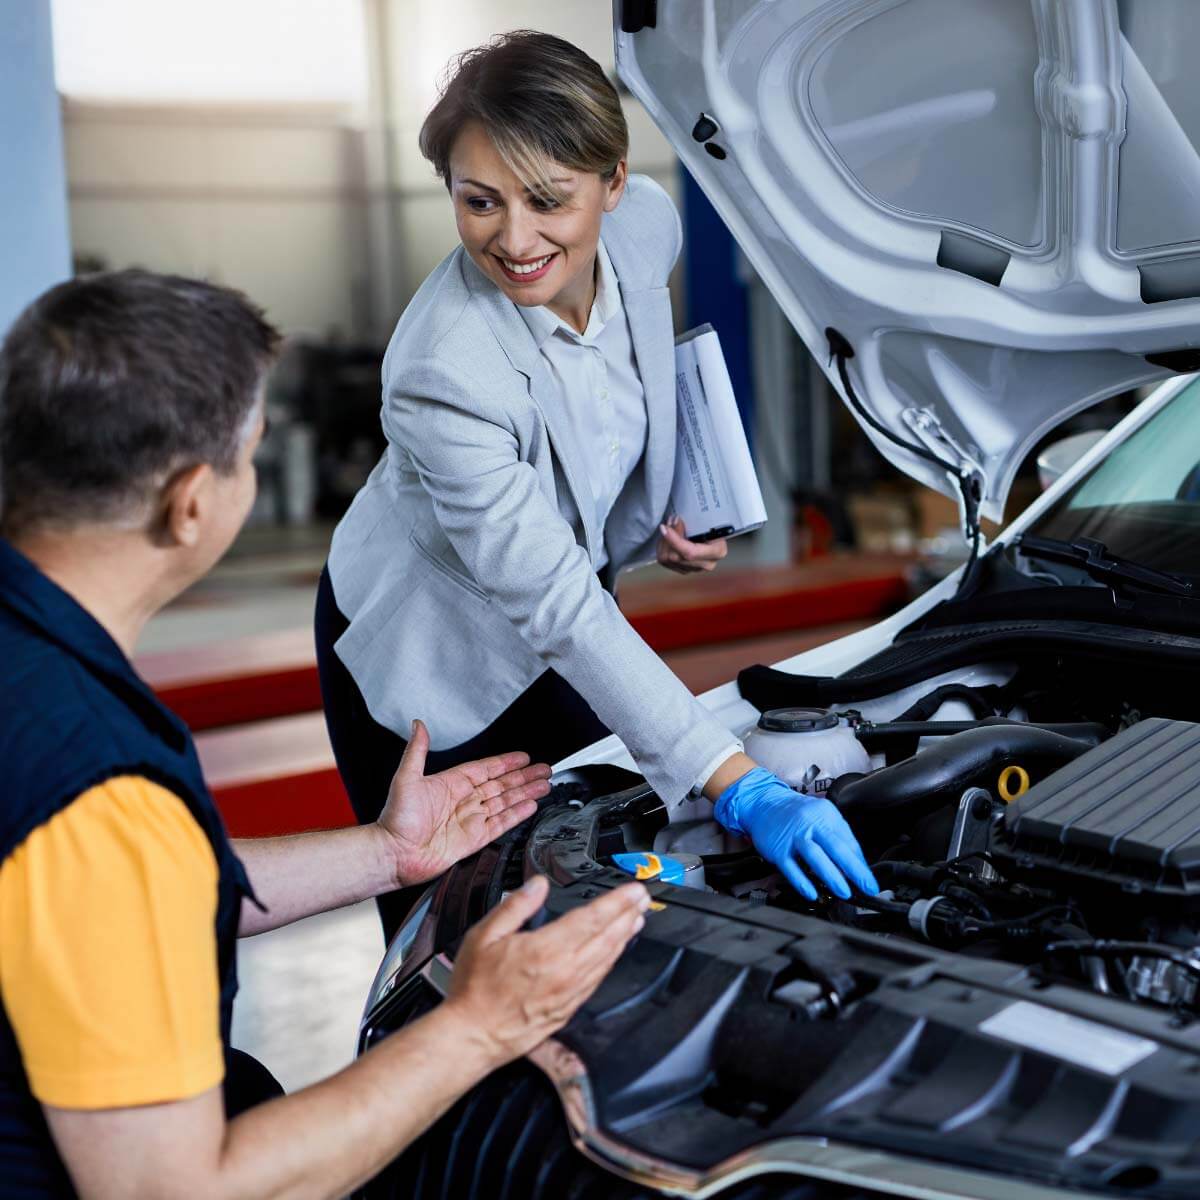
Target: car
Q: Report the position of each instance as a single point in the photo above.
(982, 216)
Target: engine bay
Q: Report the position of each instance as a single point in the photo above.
(1019, 1006)
(1088, 875)
(1069, 847)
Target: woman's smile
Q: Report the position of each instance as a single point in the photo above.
(526, 270)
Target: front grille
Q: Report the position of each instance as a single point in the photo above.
(507, 1140)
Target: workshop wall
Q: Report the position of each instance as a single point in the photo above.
(268, 198)
(325, 213)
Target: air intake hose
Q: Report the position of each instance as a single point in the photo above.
(899, 739)
(887, 802)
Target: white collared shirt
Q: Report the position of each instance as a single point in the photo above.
(600, 389)
(597, 383)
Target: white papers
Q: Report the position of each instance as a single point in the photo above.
(715, 491)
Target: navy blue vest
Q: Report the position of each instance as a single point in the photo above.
(73, 713)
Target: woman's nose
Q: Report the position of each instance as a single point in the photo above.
(518, 236)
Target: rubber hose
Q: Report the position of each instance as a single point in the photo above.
(1091, 733)
(891, 799)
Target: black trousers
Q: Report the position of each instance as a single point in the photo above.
(247, 1083)
(548, 721)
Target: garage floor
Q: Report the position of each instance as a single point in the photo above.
(303, 987)
(302, 992)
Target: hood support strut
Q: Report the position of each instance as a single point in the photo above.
(968, 481)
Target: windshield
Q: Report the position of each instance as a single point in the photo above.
(1143, 499)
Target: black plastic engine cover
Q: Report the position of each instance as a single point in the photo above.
(1125, 813)
(706, 1043)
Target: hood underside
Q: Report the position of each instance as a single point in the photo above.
(996, 203)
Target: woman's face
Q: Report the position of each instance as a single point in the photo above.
(534, 251)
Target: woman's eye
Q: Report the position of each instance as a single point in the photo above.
(480, 204)
(544, 203)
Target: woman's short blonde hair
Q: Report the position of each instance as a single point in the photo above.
(541, 100)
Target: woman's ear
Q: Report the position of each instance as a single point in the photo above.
(616, 186)
(187, 499)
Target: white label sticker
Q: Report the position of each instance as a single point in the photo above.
(1082, 1042)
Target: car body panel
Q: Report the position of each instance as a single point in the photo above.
(919, 1093)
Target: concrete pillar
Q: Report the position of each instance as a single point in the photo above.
(385, 264)
(35, 246)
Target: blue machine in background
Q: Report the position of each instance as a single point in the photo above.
(716, 290)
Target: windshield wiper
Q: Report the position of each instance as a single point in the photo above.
(1095, 558)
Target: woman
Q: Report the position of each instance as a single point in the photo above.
(528, 402)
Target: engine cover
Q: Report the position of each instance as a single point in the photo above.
(1124, 814)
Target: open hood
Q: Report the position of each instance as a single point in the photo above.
(995, 203)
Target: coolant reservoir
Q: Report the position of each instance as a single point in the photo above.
(808, 748)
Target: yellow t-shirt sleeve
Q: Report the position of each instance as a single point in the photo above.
(108, 958)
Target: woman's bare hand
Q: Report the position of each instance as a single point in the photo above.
(512, 990)
(678, 554)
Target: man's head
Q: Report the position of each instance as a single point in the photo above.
(131, 401)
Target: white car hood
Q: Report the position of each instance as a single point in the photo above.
(996, 203)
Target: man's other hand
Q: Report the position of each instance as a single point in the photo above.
(433, 821)
(685, 557)
(514, 989)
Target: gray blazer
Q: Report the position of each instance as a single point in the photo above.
(465, 564)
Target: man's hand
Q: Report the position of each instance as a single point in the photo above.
(512, 990)
(432, 821)
(678, 554)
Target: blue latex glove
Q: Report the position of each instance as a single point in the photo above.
(785, 826)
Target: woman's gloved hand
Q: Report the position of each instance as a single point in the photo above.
(788, 828)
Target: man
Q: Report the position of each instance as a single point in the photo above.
(130, 409)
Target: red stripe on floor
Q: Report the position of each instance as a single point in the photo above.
(755, 616)
(286, 804)
(237, 699)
